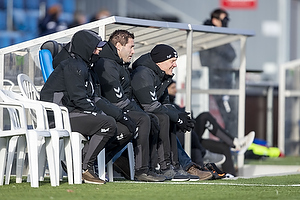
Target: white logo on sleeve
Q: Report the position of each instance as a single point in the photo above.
(120, 137)
(103, 130)
(118, 92)
(153, 96)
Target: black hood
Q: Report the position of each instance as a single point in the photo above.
(146, 60)
(84, 43)
(110, 51)
(208, 22)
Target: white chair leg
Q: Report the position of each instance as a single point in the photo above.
(10, 157)
(56, 147)
(131, 159)
(42, 161)
(51, 161)
(68, 153)
(3, 151)
(101, 164)
(61, 157)
(21, 149)
(76, 142)
(110, 171)
(33, 161)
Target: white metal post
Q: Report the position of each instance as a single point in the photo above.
(242, 86)
(188, 86)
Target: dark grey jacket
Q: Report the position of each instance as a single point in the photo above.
(149, 84)
(115, 79)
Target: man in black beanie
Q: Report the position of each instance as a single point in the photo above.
(151, 75)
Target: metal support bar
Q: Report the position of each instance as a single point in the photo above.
(281, 109)
(188, 86)
(242, 87)
(270, 90)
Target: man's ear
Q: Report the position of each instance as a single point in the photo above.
(118, 46)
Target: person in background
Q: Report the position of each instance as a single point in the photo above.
(201, 146)
(51, 22)
(151, 75)
(222, 74)
(79, 18)
(101, 14)
(199, 154)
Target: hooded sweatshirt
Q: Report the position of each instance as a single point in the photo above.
(149, 84)
(71, 83)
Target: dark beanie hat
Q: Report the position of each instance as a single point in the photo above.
(162, 52)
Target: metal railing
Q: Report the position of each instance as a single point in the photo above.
(289, 107)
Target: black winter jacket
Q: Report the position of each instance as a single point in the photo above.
(149, 84)
(115, 78)
(71, 83)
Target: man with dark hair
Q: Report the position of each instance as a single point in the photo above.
(71, 85)
(112, 70)
(152, 73)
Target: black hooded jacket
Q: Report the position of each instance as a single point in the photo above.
(71, 83)
(115, 78)
(149, 84)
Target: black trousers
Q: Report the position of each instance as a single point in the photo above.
(166, 143)
(206, 121)
(122, 138)
(221, 148)
(99, 129)
(141, 140)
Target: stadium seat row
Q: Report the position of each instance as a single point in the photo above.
(68, 6)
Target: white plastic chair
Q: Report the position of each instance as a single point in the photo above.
(30, 93)
(16, 142)
(77, 139)
(10, 138)
(34, 137)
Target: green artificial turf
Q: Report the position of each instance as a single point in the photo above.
(275, 187)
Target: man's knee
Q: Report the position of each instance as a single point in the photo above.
(207, 116)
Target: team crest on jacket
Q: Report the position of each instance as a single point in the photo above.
(153, 96)
(118, 92)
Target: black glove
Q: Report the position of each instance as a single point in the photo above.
(127, 121)
(185, 123)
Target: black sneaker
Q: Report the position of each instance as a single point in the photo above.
(88, 176)
(191, 177)
(150, 176)
(217, 173)
(172, 175)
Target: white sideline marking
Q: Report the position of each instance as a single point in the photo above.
(203, 183)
